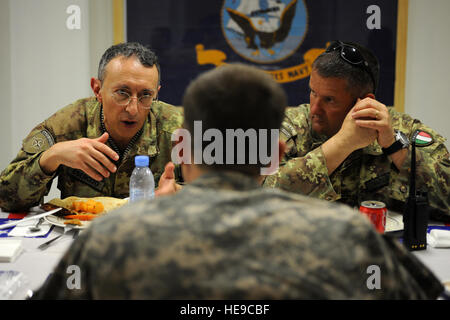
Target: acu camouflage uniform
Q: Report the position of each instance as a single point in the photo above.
(367, 174)
(23, 183)
(224, 237)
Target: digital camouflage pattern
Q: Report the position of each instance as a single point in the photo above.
(224, 237)
(24, 184)
(367, 174)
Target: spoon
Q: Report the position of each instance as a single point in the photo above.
(36, 227)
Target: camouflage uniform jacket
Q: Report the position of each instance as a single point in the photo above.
(367, 174)
(224, 237)
(23, 183)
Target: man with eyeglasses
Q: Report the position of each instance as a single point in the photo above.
(348, 147)
(90, 145)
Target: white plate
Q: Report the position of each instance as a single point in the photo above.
(57, 221)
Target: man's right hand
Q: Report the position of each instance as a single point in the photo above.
(92, 156)
(354, 136)
(348, 139)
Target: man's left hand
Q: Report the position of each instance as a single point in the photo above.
(167, 184)
(370, 113)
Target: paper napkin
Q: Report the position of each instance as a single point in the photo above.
(439, 238)
(23, 229)
(10, 250)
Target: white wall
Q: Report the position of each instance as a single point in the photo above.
(428, 64)
(50, 64)
(5, 86)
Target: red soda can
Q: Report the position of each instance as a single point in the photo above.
(376, 211)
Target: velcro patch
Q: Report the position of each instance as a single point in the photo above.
(83, 177)
(287, 130)
(423, 139)
(39, 142)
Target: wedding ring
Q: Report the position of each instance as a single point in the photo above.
(376, 114)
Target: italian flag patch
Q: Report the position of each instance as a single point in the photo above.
(423, 139)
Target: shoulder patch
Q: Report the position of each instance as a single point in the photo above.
(288, 130)
(422, 138)
(39, 142)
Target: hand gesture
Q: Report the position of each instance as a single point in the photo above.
(369, 113)
(167, 184)
(354, 135)
(92, 156)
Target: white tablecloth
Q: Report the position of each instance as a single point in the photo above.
(35, 264)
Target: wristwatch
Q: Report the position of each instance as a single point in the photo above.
(401, 142)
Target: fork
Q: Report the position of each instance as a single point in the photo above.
(46, 244)
(36, 227)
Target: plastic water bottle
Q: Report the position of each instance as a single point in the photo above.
(142, 183)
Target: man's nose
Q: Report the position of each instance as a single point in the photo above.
(316, 106)
(132, 107)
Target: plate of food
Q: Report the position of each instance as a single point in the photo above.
(80, 212)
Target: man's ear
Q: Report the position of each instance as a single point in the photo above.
(370, 95)
(157, 93)
(96, 85)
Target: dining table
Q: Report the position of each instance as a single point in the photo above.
(33, 265)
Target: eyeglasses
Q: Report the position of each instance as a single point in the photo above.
(353, 56)
(123, 98)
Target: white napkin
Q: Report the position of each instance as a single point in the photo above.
(23, 229)
(10, 250)
(439, 238)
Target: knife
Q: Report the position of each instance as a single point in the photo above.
(37, 216)
(66, 229)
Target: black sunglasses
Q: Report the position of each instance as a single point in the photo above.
(352, 55)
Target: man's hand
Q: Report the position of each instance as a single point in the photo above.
(92, 156)
(348, 139)
(354, 136)
(167, 184)
(369, 113)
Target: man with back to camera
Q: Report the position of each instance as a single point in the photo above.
(223, 236)
(90, 145)
(346, 146)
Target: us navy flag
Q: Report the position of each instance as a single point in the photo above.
(282, 37)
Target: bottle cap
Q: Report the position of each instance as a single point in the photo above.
(141, 161)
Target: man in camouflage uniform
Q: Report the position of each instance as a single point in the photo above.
(343, 145)
(225, 237)
(90, 145)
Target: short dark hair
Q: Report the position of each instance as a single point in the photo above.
(359, 81)
(235, 96)
(146, 57)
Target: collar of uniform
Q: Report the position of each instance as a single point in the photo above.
(93, 115)
(227, 180)
(147, 144)
(317, 139)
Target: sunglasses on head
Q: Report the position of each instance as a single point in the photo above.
(353, 56)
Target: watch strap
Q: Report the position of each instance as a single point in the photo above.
(397, 145)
